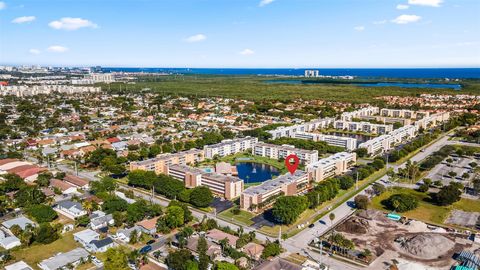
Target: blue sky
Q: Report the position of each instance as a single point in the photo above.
(241, 33)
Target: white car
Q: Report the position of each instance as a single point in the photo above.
(97, 262)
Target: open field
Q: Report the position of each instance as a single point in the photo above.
(426, 211)
(244, 217)
(36, 253)
(255, 88)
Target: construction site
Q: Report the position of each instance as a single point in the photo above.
(405, 244)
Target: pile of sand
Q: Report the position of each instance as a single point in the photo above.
(427, 246)
(372, 214)
(354, 226)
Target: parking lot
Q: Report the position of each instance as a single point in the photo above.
(458, 165)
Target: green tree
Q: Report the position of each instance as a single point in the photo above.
(203, 259)
(178, 260)
(287, 209)
(46, 234)
(361, 202)
(401, 202)
(116, 259)
(42, 213)
(447, 195)
(225, 266)
(271, 249)
(201, 196)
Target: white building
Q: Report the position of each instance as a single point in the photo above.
(31, 90)
(263, 195)
(289, 131)
(93, 78)
(348, 143)
(367, 111)
(363, 127)
(21, 265)
(229, 147)
(378, 145)
(333, 165)
(275, 151)
(402, 134)
(310, 73)
(402, 113)
(60, 260)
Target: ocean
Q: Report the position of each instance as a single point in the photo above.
(431, 73)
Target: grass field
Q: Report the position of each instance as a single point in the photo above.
(244, 217)
(426, 211)
(36, 253)
(255, 88)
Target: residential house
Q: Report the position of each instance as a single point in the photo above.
(80, 183)
(124, 234)
(21, 265)
(99, 219)
(148, 226)
(8, 241)
(101, 245)
(70, 209)
(253, 250)
(60, 260)
(64, 187)
(21, 221)
(216, 236)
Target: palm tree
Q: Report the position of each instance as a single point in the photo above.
(88, 206)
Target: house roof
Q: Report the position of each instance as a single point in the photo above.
(148, 224)
(113, 140)
(20, 221)
(21, 168)
(7, 160)
(218, 235)
(87, 235)
(62, 185)
(29, 172)
(253, 249)
(75, 180)
(21, 265)
(102, 243)
(278, 263)
(62, 259)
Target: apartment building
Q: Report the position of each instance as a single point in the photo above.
(432, 120)
(378, 145)
(367, 111)
(32, 90)
(345, 142)
(400, 113)
(282, 151)
(290, 131)
(363, 127)
(229, 147)
(403, 133)
(159, 164)
(389, 120)
(262, 196)
(333, 165)
(226, 186)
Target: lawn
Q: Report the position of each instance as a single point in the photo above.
(34, 254)
(244, 217)
(426, 211)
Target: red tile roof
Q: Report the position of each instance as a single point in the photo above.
(7, 160)
(75, 180)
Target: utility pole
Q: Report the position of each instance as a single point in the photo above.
(356, 182)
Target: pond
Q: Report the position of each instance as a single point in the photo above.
(251, 172)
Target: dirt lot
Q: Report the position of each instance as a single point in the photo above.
(412, 242)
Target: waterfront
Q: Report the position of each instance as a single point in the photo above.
(251, 172)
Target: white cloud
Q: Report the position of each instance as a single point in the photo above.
(34, 51)
(247, 52)
(404, 19)
(428, 3)
(380, 22)
(402, 7)
(24, 19)
(196, 38)
(2, 5)
(265, 2)
(359, 28)
(69, 24)
(57, 48)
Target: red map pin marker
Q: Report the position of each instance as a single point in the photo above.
(292, 167)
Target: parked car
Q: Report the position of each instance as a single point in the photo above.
(145, 249)
(311, 225)
(150, 242)
(96, 261)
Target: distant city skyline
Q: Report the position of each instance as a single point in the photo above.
(241, 33)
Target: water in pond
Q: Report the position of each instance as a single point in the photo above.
(251, 172)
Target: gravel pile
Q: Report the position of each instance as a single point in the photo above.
(427, 246)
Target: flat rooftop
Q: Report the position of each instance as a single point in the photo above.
(286, 148)
(275, 183)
